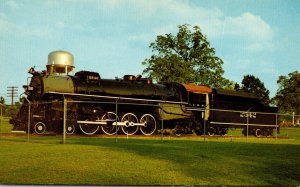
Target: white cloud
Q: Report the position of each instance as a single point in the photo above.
(182, 10)
(4, 24)
(144, 37)
(12, 4)
(31, 31)
(23, 30)
(265, 67)
(60, 25)
(248, 26)
(152, 18)
(248, 65)
(250, 30)
(15, 29)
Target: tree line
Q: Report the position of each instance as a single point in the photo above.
(10, 110)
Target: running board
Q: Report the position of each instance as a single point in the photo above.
(128, 124)
(104, 122)
(100, 122)
(18, 131)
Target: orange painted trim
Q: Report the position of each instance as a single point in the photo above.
(197, 88)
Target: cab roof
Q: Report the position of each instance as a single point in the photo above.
(197, 88)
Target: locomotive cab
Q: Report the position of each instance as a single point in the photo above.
(199, 96)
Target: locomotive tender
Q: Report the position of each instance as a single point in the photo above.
(133, 105)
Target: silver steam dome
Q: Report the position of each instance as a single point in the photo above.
(60, 62)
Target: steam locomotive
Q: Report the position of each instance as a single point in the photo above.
(85, 103)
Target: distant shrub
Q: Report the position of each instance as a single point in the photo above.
(286, 124)
(297, 124)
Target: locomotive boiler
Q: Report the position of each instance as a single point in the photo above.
(89, 104)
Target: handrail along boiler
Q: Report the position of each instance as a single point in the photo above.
(142, 105)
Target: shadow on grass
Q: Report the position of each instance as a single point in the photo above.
(201, 163)
(218, 163)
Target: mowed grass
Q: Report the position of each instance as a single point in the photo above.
(5, 127)
(151, 161)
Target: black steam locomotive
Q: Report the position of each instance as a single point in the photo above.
(88, 104)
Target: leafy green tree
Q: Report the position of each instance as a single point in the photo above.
(11, 110)
(2, 100)
(185, 58)
(22, 100)
(287, 97)
(252, 84)
(3, 106)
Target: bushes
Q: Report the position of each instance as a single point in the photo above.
(290, 123)
(10, 111)
(286, 124)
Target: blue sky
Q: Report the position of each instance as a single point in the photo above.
(112, 37)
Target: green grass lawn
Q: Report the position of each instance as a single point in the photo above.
(5, 127)
(151, 161)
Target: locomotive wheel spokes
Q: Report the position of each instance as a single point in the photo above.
(267, 132)
(223, 131)
(150, 124)
(258, 133)
(89, 129)
(270, 132)
(39, 128)
(178, 132)
(129, 119)
(211, 131)
(70, 129)
(109, 128)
